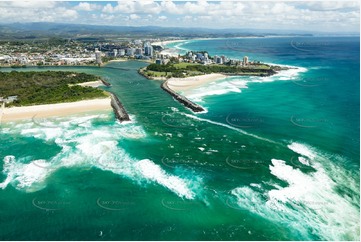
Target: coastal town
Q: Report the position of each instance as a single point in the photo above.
(59, 52)
(163, 64)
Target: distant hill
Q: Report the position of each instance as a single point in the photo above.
(42, 30)
(29, 31)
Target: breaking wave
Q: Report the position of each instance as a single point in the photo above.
(323, 202)
(235, 84)
(85, 144)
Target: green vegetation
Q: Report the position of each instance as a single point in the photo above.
(106, 59)
(157, 73)
(47, 87)
(183, 65)
(18, 66)
(192, 69)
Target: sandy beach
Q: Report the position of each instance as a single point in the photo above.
(118, 60)
(91, 84)
(168, 51)
(173, 51)
(164, 43)
(183, 84)
(54, 110)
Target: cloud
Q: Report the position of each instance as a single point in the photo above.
(318, 16)
(332, 6)
(84, 6)
(170, 7)
(106, 16)
(29, 4)
(162, 17)
(134, 16)
(200, 7)
(108, 8)
(70, 13)
(12, 12)
(208, 18)
(133, 7)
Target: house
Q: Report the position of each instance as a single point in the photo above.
(10, 99)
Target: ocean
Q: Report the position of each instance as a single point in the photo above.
(272, 158)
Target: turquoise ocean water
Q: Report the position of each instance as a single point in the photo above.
(273, 158)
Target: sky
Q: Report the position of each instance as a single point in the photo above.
(326, 16)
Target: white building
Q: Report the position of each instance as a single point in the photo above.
(138, 51)
(137, 42)
(217, 59)
(130, 51)
(9, 99)
(224, 59)
(148, 49)
(122, 52)
(199, 56)
(98, 57)
(245, 60)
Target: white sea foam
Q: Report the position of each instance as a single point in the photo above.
(302, 150)
(311, 201)
(237, 83)
(179, 46)
(255, 185)
(154, 172)
(289, 74)
(8, 162)
(211, 89)
(174, 109)
(304, 161)
(84, 146)
(24, 176)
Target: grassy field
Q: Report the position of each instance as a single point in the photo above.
(184, 65)
(262, 67)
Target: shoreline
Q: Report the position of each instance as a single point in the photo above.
(173, 52)
(91, 84)
(166, 42)
(175, 85)
(55, 110)
(117, 60)
(184, 84)
(163, 43)
(68, 108)
(95, 84)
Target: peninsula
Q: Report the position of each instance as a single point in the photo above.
(197, 68)
(25, 95)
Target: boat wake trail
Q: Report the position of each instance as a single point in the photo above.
(229, 127)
